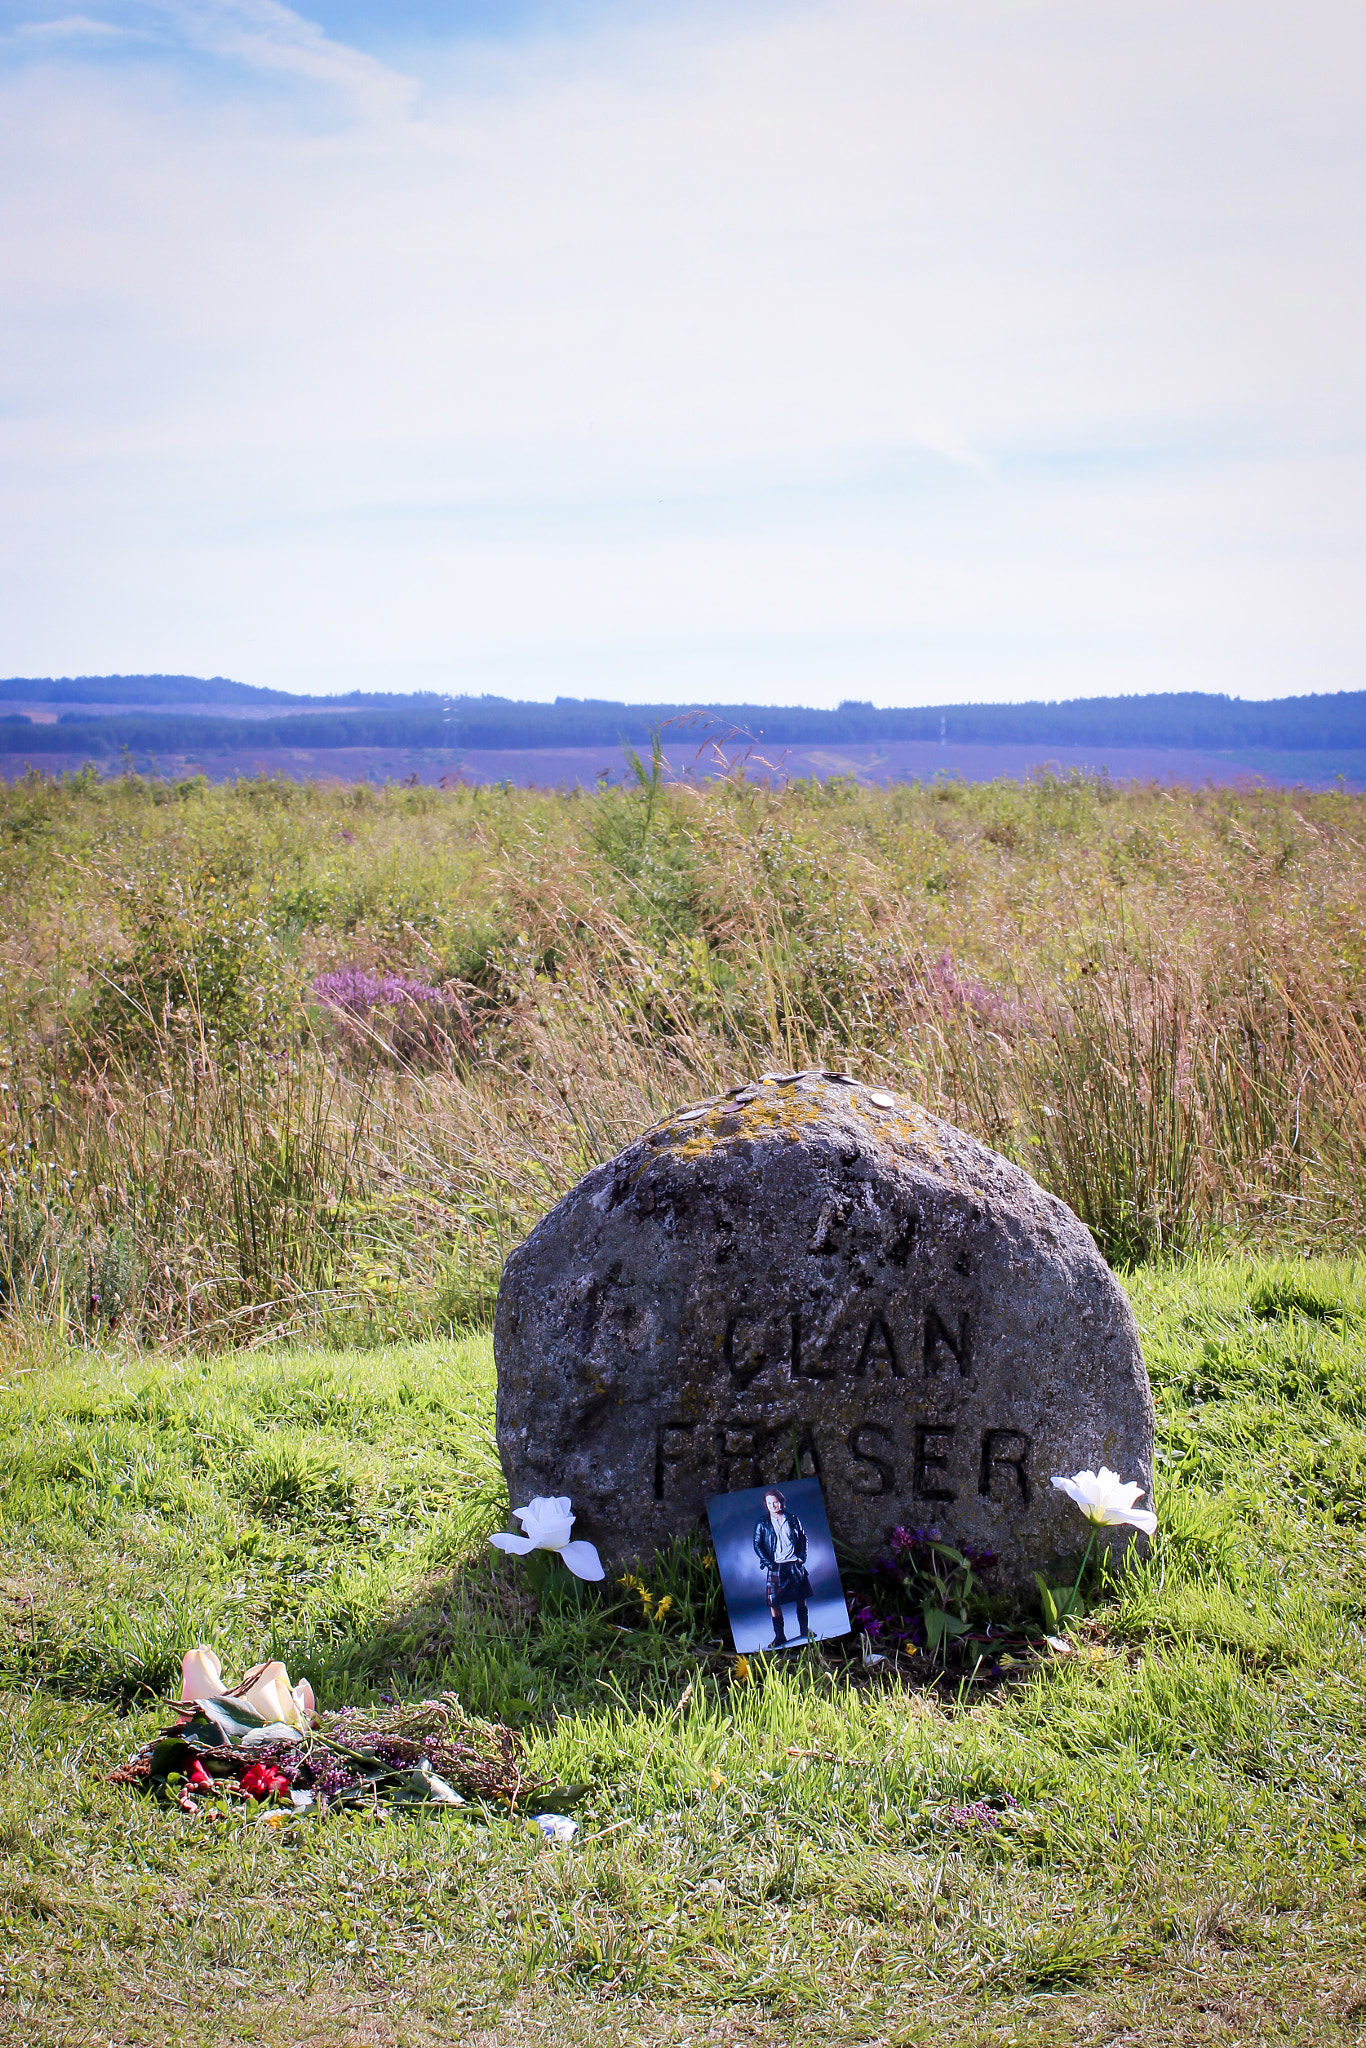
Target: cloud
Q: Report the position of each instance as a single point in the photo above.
(69, 28)
(274, 39)
(261, 35)
(893, 350)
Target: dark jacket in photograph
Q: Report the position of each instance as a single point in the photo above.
(766, 1541)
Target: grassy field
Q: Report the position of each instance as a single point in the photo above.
(289, 1059)
(286, 1071)
(781, 1858)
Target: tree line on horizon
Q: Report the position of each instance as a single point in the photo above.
(168, 714)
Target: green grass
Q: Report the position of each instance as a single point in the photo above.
(773, 1861)
(1152, 999)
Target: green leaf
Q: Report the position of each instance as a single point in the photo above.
(233, 1719)
(271, 1731)
(940, 1626)
(170, 1754)
(555, 1798)
(1059, 1605)
(1052, 1620)
(196, 1729)
(422, 1785)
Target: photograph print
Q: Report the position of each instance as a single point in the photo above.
(777, 1566)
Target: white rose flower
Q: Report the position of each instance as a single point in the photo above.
(266, 1687)
(267, 1690)
(201, 1675)
(547, 1523)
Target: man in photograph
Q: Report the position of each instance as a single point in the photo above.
(780, 1546)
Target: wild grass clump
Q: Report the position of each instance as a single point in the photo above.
(279, 1056)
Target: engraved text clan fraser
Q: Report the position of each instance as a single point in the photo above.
(929, 1457)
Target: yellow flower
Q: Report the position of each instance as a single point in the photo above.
(742, 1670)
(717, 1781)
(665, 1604)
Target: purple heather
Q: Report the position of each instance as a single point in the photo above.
(356, 991)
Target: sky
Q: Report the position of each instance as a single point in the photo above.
(779, 351)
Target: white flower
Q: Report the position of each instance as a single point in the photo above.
(201, 1675)
(267, 1689)
(1108, 1500)
(547, 1524)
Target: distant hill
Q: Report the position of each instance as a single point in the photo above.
(135, 690)
(187, 692)
(191, 715)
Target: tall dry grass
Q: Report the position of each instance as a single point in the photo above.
(1153, 1001)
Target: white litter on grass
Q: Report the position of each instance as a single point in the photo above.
(556, 1827)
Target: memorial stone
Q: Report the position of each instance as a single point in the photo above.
(813, 1277)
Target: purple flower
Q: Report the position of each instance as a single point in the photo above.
(355, 991)
(893, 1629)
(979, 1814)
(987, 1005)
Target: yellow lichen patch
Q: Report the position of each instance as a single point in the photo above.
(788, 1108)
(775, 1111)
(779, 1108)
(700, 1138)
(914, 1128)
